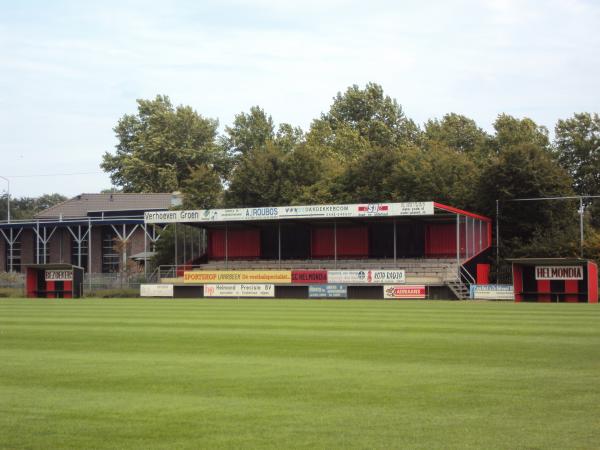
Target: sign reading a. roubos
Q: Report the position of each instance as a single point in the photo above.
(237, 276)
(309, 276)
(59, 275)
(239, 290)
(366, 276)
(492, 292)
(558, 272)
(156, 290)
(404, 291)
(328, 291)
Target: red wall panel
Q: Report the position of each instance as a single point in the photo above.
(543, 286)
(440, 240)
(571, 287)
(483, 274)
(592, 282)
(241, 244)
(352, 242)
(517, 282)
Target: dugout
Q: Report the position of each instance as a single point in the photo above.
(54, 281)
(570, 280)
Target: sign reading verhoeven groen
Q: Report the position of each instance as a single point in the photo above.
(238, 276)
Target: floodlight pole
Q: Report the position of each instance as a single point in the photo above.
(7, 198)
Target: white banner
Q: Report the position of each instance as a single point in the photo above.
(492, 292)
(366, 276)
(292, 212)
(558, 273)
(239, 290)
(59, 275)
(156, 290)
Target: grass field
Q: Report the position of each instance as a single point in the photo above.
(186, 374)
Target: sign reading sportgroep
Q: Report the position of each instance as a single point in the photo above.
(59, 275)
(558, 273)
(237, 276)
(292, 212)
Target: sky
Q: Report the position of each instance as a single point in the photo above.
(70, 69)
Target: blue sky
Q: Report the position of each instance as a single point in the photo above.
(70, 69)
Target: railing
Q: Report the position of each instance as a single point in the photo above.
(67, 220)
(465, 275)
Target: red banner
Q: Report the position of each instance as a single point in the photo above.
(309, 276)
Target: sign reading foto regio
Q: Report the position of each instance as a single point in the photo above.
(239, 290)
(558, 272)
(59, 275)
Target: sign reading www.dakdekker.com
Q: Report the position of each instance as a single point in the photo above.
(558, 273)
(366, 276)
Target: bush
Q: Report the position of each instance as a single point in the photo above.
(11, 292)
(114, 293)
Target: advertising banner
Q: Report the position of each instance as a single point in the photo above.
(239, 290)
(404, 291)
(309, 276)
(492, 292)
(156, 290)
(366, 276)
(558, 272)
(328, 291)
(237, 276)
(292, 212)
(59, 275)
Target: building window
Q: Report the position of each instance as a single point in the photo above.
(16, 256)
(84, 253)
(110, 253)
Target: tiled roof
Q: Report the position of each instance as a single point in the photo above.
(81, 205)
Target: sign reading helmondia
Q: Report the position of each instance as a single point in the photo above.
(558, 272)
(59, 275)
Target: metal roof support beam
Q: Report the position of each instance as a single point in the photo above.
(11, 240)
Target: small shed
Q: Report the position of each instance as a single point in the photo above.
(54, 281)
(571, 280)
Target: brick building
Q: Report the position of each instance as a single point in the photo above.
(103, 232)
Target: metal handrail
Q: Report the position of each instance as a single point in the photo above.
(464, 272)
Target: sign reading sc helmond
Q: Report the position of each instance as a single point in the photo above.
(558, 272)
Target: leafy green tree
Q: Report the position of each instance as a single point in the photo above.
(578, 147)
(203, 189)
(459, 133)
(27, 207)
(512, 131)
(160, 146)
(250, 131)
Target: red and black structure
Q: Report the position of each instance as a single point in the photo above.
(54, 281)
(570, 280)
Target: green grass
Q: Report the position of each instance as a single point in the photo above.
(187, 374)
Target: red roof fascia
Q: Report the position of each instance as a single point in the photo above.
(461, 212)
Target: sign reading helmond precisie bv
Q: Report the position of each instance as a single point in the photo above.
(558, 272)
(237, 276)
(239, 290)
(366, 276)
(292, 212)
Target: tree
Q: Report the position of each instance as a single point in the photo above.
(22, 208)
(249, 132)
(458, 133)
(160, 146)
(511, 131)
(528, 229)
(203, 189)
(364, 116)
(578, 148)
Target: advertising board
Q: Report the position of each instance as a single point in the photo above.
(309, 276)
(292, 212)
(59, 275)
(558, 272)
(237, 276)
(366, 276)
(239, 290)
(156, 290)
(328, 291)
(404, 291)
(492, 292)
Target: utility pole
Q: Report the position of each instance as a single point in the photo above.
(7, 198)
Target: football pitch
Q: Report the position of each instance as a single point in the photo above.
(187, 374)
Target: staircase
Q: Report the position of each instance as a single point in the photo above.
(459, 289)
